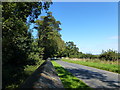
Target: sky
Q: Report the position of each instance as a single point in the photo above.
(92, 26)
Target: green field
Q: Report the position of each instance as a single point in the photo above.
(97, 64)
(68, 80)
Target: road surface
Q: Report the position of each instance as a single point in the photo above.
(93, 77)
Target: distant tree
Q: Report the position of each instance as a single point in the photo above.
(90, 56)
(71, 49)
(109, 55)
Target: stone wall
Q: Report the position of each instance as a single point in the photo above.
(43, 77)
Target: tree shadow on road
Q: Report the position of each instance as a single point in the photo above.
(87, 74)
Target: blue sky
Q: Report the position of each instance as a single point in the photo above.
(92, 26)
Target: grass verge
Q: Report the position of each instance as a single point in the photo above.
(27, 72)
(108, 67)
(30, 69)
(68, 80)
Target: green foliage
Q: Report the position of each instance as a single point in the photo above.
(22, 10)
(88, 56)
(29, 69)
(68, 80)
(35, 53)
(109, 55)
(71, 50)
(17, 50)
(48, 35)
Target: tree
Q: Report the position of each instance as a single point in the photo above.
(109, 55)
(48, 34)
(89, 55)
(71, 49)
(16, 40)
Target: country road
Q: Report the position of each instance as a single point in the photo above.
(93, 77)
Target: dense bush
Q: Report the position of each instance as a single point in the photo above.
(109, 55)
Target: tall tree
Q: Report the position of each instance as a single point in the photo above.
(16, 39)
(48, 33)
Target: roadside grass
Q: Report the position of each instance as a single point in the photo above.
(30, 69)
(68, 80)
(95, 60)
(27, 72)
(97, 64)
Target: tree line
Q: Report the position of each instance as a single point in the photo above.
(72, 51)
(20, 48)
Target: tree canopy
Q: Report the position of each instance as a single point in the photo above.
(16, 39)
(49, 36)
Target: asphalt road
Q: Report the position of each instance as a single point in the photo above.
(93, 77)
